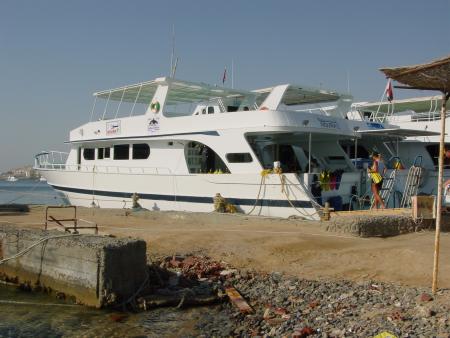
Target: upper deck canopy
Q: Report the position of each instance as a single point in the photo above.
(180, 92)
(417, 104)
(397, 132)
(298, 95)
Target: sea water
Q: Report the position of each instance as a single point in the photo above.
(27, 191)
(34, 314)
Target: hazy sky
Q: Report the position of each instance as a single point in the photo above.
(55, 54)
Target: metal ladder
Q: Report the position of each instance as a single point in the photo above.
(388, 186)
(412, 183)
(221, 106)
(386, 189)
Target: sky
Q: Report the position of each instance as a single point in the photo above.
(54, 54)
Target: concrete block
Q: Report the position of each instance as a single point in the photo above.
(373, 225)
(97, 270)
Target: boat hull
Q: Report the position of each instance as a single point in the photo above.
(272, 195)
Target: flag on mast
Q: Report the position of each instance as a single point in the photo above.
(224, 78)
(389, 92)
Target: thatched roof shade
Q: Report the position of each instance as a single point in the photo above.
(434, 75)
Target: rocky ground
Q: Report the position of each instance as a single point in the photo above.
(328, 284)
(283, 306)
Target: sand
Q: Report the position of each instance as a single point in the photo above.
(295, 247)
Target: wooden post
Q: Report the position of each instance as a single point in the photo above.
(445, 96)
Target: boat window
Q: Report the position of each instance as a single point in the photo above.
(203, 111)
(141, 151)
(210, 110)
(433, 150)
(107, 152)
(89, 154)
(239, 157)
(100, 153)
(284, 153)
(349, 149)
(201, 159)
(121, 152)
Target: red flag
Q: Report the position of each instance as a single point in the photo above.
(224, 78)
(389, 92)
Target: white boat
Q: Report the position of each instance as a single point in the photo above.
(193, 141)
(419, 113)
(11, 179)
(42, 179)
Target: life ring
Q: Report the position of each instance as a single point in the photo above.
(155, 106)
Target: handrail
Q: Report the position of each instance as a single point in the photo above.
(318, 110)
(50, 157)
(104, 169)
(415, 161)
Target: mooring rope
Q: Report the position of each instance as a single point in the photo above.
(15, 302)
(24, 251)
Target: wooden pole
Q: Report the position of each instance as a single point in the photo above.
(439, 193)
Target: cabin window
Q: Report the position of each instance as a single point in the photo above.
(141, 151)
(203, 111)
(89, 154)
(201, 159)
(433, 151)
(100, 153)
(239, 157)
(349, 149)
(210, 110)
(107, 152)
(121, 152)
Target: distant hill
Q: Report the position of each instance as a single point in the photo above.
(22, 172)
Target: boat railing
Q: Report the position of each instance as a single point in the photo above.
(320, 111)
(104, 169)
(56, 159)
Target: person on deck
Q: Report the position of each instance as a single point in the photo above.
(376, 172)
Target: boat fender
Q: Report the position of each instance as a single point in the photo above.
(155, 106)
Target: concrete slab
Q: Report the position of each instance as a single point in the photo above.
(97, 270)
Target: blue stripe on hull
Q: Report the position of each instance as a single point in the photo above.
(190, 199)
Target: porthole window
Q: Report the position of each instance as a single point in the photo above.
(141, 151)
(89, 154)
(239, 157)
(122, 152)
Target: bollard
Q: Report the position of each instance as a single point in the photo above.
(326, 212)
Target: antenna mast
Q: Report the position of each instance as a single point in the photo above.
(348, 81)
(172, 55)
(232, 73)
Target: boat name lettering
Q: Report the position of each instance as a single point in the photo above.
(375, 125)
(113, 128)
(330, 124)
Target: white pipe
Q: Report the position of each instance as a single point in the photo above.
(309, 153)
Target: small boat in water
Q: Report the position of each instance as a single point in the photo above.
(11, 179)
(42, 179)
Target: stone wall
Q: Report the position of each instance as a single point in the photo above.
(376, 225)
(97, 270)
